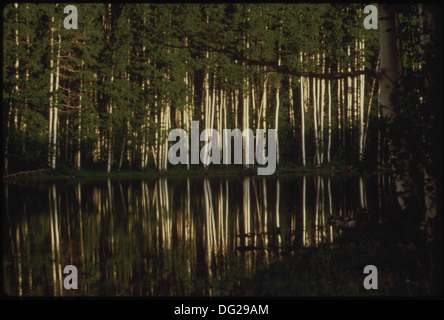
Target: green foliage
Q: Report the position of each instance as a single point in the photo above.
(134, 58)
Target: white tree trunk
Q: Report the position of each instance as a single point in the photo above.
(315, 121)
(276, 124)
(329, 121)
(361, 101)
(302, 120)
(110, 145)
(291, 106)
(51, 94)
(55, 119)
(400, 156)
(79, 132)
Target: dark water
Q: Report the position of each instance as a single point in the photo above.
(170, 237)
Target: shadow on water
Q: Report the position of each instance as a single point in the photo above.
(173, 237)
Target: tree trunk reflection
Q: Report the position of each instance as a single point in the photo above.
(169, 237)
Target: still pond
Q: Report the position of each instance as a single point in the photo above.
(172, 236)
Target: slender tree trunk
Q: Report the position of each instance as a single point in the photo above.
(207, 107)
(329, 121)
(315, 121)
(55, 109)
(155, 147)
(342, 114)
(122, 150)
(368, 108)
(167, 129)
(276, 124)
(361, 101)
(246, 123)
(51, 94)
(321, 110)
(15, 109)
(349, 112)
(79, 132)
(187, 114)
(110, 139)
(110, 134)
(291, 106)
(302, 119)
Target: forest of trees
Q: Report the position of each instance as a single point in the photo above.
(104, 96)
(107, 94)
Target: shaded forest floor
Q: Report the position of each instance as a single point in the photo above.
(396, 248)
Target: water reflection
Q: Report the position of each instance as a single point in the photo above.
(169, 237)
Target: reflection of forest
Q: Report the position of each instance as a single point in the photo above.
(170, 237)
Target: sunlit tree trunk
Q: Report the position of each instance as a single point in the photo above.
(276, 124)
(51, 94)
(304, 89)
(348, 112)
(291, 106)
(11, 107)
(155, 147)
(245, 122)
(302, 119)
(144, 129)
(167, 129)
(329, 121)
(317, 159)
(253, 103)
(160, 141)
(56, 100)
(400, 156)
(361, 101)
(278, 200)
(110, 134)
(368, 109)
(79, 129)
(321, 110)
(225, 125)
(235, 107)
(53, 100)
(341, 114)
(187, 114)
(16, 67)
(207, 107)
(213, 103)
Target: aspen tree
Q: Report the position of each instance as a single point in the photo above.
(400, 157)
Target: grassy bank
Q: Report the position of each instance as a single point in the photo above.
(66, 173)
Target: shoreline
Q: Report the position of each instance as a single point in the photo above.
(65, 174)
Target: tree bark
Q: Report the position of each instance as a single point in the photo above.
(400, 155)
(303, 120)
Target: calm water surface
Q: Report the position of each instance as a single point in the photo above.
(170, 236)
